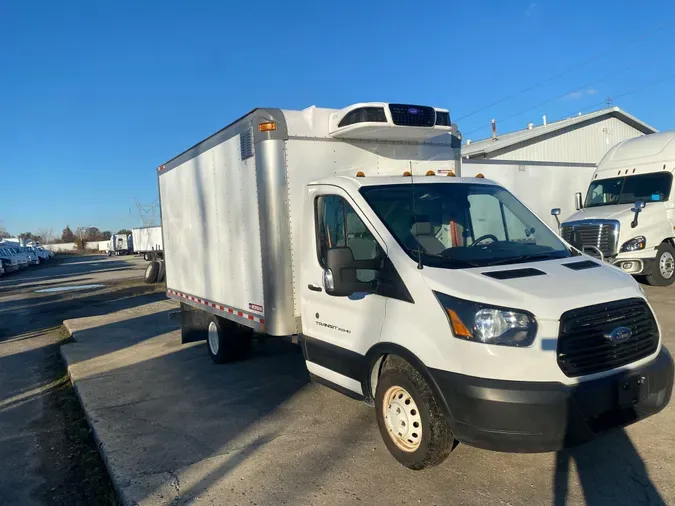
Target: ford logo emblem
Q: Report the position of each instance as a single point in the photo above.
(619, 335)
(413, 110)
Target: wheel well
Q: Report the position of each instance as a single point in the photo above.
(386, 354)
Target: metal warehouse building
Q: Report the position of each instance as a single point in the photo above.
(580, 139)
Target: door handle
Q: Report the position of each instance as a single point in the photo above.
(314, 288)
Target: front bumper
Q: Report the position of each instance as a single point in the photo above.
(517, 416)
(11, 268)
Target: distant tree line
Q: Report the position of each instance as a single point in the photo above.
(81, 235)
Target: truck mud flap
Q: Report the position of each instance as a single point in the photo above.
(194, 324)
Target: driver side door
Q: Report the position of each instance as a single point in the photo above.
(338, 331)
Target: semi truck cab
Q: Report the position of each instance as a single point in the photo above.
(627, 217)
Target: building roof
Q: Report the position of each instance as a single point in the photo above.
(486, 146)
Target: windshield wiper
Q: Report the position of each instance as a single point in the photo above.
(521, 259)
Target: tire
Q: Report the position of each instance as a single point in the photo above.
(151, 272)
(146, 257)
(161, 274)
(226, 341)
(404, 399)
(109, 253)
(663, 273)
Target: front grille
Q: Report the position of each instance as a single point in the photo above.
(602, 235)
(412, 115)
(583, 347)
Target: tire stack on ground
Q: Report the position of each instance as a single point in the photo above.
(155, 272)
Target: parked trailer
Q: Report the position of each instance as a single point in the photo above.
(443, 301)
(148, 242)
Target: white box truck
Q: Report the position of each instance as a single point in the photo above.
(147, 241)
(628, 215)
(442, 301)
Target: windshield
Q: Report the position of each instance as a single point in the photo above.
(463, 225)
(629, 189)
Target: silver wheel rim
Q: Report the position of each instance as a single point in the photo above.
(214, 343)
(402, 419)
(667, 265)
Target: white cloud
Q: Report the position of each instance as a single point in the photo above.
(575, 95)
(530, 9)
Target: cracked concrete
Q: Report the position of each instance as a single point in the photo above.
(176, 429)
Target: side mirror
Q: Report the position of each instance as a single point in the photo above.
(578, 202)
(339, 278)
(556, 212)
(637, 208)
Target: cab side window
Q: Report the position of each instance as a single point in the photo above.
(338, 225)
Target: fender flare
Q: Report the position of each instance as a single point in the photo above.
(380, 349)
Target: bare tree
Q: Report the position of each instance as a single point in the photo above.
(3, 231)
(47, 235)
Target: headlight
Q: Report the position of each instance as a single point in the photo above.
(636, 243)
(483, 323)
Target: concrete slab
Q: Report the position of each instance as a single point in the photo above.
(176, 429)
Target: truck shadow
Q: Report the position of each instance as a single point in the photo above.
(610, 471)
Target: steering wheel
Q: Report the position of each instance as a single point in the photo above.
(482, 238)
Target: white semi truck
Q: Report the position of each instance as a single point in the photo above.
(120, 244)
(442, 301)
(147, 241)
(628, 215)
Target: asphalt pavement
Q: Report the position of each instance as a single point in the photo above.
(177, 429)
(47, 454)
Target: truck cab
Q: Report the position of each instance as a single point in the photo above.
(627, 216)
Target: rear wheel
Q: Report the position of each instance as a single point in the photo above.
(410, 420)
(663, 273)
(226, 341)
(151, 272)
(146, 257)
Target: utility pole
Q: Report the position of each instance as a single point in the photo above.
(148, 213)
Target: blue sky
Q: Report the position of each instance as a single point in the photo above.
(95, 95)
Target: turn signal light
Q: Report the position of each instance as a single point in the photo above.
(458, 325)
(267, 126)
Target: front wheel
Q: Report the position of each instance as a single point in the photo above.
(663, 273)
(410, 420)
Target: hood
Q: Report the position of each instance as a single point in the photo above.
(547, 295)
(617, 212)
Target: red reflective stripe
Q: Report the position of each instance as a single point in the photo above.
(230, 310)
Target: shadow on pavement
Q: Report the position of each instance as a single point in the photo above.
(37, 313)
(610, 470)
(12, 283)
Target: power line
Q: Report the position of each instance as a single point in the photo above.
(599, 56)
(567, 93)
(603, 103)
